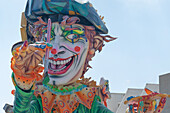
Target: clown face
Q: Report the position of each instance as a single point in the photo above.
(67, 58)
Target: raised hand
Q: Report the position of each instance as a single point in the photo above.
(147, 103)
(25, 63)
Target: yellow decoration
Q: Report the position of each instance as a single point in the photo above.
(71, 13)
(79, 31)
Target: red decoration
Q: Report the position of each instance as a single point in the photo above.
(77, 48)
(13, 92)
(53, 51)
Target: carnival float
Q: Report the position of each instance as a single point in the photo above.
(59, 38)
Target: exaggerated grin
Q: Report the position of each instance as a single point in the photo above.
(60, 65)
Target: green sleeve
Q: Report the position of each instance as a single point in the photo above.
(26, 102)
(97, 107)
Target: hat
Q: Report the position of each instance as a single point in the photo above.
(56, 9)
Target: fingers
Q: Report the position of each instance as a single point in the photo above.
(15, 54)
(48, 45)
(39, 69)
(35, 51)
(27, 57)
(38, 49)
(42, 46)
(23, 49)
(20, 52)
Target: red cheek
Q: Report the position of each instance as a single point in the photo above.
(53, 51)
(77, 48)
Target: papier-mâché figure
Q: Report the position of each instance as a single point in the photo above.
(48, 67)
(62, 37)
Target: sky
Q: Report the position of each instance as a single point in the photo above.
(139, 55)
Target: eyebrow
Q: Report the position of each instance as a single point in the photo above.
(72, 27)
(69, 28)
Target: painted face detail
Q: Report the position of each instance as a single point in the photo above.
(77, 48)
(67, 58)
(53, 51)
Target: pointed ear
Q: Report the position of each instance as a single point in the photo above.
(98, 43)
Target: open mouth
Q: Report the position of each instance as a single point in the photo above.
(59, 66)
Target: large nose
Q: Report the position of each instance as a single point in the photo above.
(58, 46)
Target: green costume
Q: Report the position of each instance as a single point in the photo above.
(27, 102)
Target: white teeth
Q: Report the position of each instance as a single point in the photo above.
(54, 62)
(60, 62)
(50, 61)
